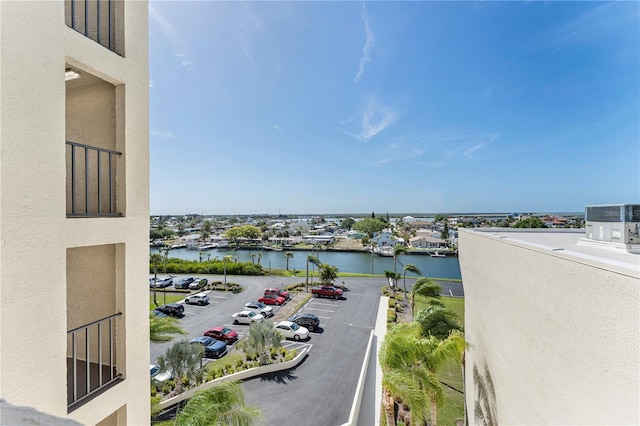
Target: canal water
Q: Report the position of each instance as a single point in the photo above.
(434, 267)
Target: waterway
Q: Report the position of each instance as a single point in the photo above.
(364, 263)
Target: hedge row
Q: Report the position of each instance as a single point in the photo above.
(183, 266)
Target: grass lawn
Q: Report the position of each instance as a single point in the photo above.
(171, 298)
(451, 374)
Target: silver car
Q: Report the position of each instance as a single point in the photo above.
(259, 308)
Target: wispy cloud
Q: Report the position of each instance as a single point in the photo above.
(603, 21)
(174, 38)
(151, 83)
(469, 153)
(162, 134)
(275, 126)
(375, 117)
(370, 38)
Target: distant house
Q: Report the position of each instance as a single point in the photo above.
(285, 241)
(417, 224)
(355, 235)
(427, 242)
(384, 238)
(318, 239)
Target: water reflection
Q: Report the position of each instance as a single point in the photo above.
(437, 267)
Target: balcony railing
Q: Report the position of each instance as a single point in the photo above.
(91, 182)
(96, 19)
(91, 360)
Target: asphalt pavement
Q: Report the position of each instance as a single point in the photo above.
(320, 391)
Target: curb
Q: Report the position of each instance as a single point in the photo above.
(240, 375)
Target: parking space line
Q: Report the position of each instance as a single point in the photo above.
(320, 316)
(326, 304)
(315, 309)
(219, 297)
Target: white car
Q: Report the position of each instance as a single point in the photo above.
(246, 317)
(197, 299)
(291, 330)
(159, 376)
(259, 308)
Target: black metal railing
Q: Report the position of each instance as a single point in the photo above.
(91, 359)
(92, 181)
(95, 19)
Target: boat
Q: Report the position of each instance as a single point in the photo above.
(437, 254)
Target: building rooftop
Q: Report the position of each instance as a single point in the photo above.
(570, 243)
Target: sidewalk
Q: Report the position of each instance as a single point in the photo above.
(370, 404)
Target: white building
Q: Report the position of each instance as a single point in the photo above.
(74, 209)
(552, 321)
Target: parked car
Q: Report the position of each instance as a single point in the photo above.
(198, 283)
(184, 282)
(162, 282)
(327, 291)
(278, 291)
(159, 376)
(212, 348)
(222, 333)
(173, 309)
(309, 321)
(246, 317)
(272, 299)
(259, 308)
(158, 314)
(197, 299)
(291, 330)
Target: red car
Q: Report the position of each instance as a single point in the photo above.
(224, 334)
(272, 299)
(278, 291)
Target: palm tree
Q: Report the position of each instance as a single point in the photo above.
(315, 261)
(223, 404)
(183, 360)
(409, 363)
(262, 336)
(373, 246)
(398, 249)
(409, 267)
(287, 255)
(224, 261)
(327, 273)
(259, 257)
(160, 329)
(437, 321)
(155, 259)
(426, 288)
(253, 258)
(392, 277)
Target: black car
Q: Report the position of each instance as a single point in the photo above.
(212, 348)
(173, 309)
(183, 282)
(309, 321)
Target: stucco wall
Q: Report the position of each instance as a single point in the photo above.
(559, 337)
(36, 48)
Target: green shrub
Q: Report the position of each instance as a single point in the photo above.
(385, 290)
(391, 315)
(392, 303)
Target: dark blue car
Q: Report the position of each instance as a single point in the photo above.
(212, 348)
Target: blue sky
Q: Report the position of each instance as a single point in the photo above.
(354, 107)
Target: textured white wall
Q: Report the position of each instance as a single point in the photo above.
(35, 233)
(559, 337)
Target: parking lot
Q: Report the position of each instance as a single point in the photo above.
(320, 390)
